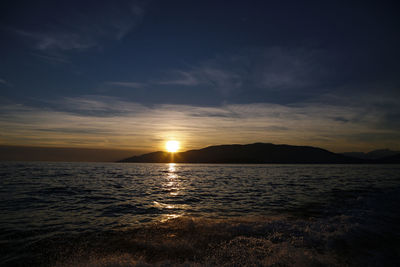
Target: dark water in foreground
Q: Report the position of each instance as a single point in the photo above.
(97, 214)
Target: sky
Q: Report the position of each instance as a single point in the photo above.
(130, 75)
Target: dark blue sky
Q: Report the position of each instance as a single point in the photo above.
(247, 59)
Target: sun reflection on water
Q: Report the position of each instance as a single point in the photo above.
(172, 172)
(171, 183)
(171, 167)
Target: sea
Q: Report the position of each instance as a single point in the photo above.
(134, 214)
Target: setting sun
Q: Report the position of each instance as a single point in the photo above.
(172, 146)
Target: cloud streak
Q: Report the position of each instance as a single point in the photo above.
(182, 78)
(4, 83)
(80, 122)
(82, 29)
(136, 85)
(272, 74)
(256, 70)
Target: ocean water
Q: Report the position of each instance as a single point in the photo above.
(116, 214)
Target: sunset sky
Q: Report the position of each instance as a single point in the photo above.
(130, 75)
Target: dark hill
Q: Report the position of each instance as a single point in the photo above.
(252, 153)
(391, 159)
(373, 155)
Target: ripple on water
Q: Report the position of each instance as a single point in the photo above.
(142, 210)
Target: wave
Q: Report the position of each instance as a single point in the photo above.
(188, 241)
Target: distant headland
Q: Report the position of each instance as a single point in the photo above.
(260, 153)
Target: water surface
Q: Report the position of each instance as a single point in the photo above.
(57, 214)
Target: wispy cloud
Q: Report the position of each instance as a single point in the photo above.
(129, 84)
(55, 58)
(4, 82)
(253, 75)
(267, 69)
(223, 80)
(217, 78)
(78, 29)
(114, 123)
(57, 41)
(279, 68)
(181, 78)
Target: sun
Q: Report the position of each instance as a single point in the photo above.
(172, 146)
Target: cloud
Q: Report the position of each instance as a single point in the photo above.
(225, 81)
(279, 68)
(183, 78)
(93, 121)
(78, 29)
(4, 82)
(264, 74)
(272, 74)
(98, 106)
(129, 84)
(217, 78)
(258, 71)
(55, 58)
(59, 40)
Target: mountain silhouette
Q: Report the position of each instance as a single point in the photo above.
(251, 153)
(375, 154)
(390, 159)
